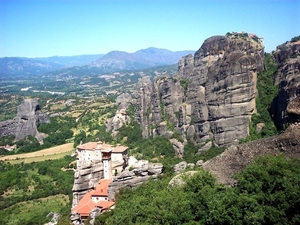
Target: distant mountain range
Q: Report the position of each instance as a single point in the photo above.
(145, 58)
(111, 62)
(20, 66)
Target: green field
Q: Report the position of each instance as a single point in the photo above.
(28, 211)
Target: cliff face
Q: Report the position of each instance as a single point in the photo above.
(26, 122)
(211, 97)
(286, 106)
(236, 158)
(86, 178)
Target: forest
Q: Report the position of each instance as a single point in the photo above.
(266, 192)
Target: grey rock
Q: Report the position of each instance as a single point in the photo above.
(199, 163)
(237, 157)
(120, 119)
(85, 179)
(178, 147)
(155, 168)
(54, 218)
(179, 180)
(190, 165)
(287, 79)
(179, 167)
(93, 214)
(205, 147)
(26, 121)
(259, 127)
(212, 96)
(123, 101)
(130, 179)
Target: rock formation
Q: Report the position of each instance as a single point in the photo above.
(121, 118)
(286, 105)
(133, 176)
(86, 178)
(123, 101)
(26, 122)
(236, 158)
(87, 175)
(212, 96)
(113, 124)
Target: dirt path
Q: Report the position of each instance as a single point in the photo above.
(49, 151)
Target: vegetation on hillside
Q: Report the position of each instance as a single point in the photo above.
(295, 39)
(33, 181)
(266, 192)
(267, 91)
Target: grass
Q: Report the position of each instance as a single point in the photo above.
(56, 152)
(57, 107)
(25, 211)
(39, 158)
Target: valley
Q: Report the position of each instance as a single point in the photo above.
(217, 113)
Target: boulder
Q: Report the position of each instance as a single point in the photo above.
(199, 163)
(179, 180)
(178, 147)
(179, 167)
(205, 147)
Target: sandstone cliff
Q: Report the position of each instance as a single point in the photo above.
(286, 105)
(212, 96)
(26, 122)
(87, 176)
(134, 175)
(236, 158)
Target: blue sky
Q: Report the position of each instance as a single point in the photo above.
(42, 28)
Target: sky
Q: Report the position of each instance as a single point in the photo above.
(44, 28)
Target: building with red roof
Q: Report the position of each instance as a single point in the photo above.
(89, 154)
(96, 198)
(92, 151)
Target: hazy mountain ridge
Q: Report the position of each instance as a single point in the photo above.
(24, 66)
(113, 61)
(141, 59)
(77, 60)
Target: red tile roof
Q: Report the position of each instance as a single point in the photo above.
(86, 205)
(104, 147)
(119, 149)
(101, 189)
(93, 145)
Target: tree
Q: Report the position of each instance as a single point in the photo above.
(273, 182)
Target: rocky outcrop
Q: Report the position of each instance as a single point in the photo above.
(287, 78)
(135, 175)
(26, 122)
(236, 158)
(179, 180)
(87, 176)
(211, 98)
(121, 118)
(123, 101)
